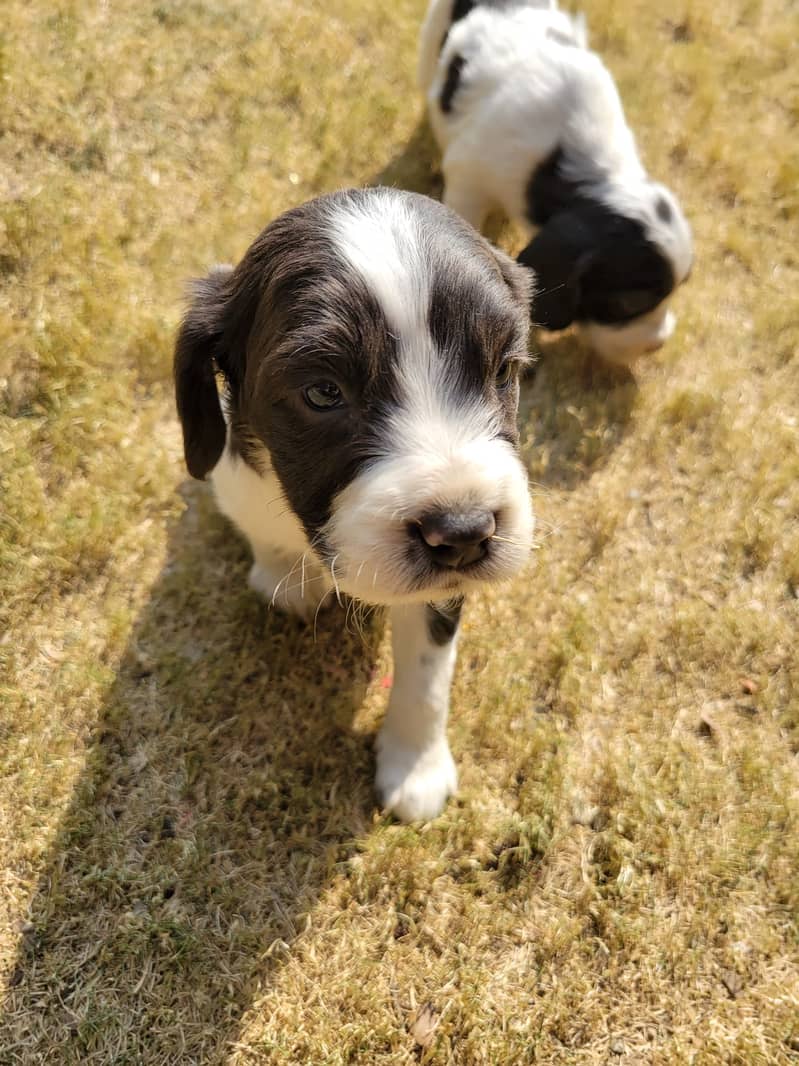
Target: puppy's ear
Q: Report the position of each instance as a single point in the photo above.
(519, 281)
(559, 255)
(196, 351)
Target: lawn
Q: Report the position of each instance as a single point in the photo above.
(192, 866)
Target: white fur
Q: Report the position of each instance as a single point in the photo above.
(386, 248)
(524, 94)
(285, 571)
(621, 345)
(415, 771)
(371, 515)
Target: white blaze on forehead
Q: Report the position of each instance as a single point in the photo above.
(381, 239)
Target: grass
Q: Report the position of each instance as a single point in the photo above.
(192, 869)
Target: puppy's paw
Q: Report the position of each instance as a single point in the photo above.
(293, 595)
(414, 785)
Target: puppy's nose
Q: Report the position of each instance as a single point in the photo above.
(455, 540)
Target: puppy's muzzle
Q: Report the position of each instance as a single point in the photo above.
(452, 540)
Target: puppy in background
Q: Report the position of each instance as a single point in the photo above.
(369, 346)
(530, 121)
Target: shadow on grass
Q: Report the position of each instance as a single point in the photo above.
(416, 167)
(573, 413)
(223, 787)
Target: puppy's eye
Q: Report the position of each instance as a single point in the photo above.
(323, 396)
(505, 374)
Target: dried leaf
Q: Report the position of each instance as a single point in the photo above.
(424, 1025)
(733, 982)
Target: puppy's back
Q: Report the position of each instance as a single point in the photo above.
(512, 85)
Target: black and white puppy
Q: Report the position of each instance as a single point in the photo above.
(530, 121)
(370, 344)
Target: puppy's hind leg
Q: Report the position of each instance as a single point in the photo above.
(415, 771)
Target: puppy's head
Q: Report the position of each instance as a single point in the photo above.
(371, 343)
(609, 261)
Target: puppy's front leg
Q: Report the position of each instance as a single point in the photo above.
(415, 771)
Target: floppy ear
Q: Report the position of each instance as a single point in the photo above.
(559, 255)
(195, 373)
(519, 281)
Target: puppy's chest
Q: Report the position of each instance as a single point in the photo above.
(256, 504)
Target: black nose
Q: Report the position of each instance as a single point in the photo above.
(454, 540)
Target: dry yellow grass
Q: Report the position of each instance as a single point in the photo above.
(191, 866)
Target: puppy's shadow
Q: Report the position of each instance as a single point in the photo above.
(417, 167)
(573, 413)
(223, 784)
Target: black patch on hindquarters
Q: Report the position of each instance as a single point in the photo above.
(451, 83)
(442, 621)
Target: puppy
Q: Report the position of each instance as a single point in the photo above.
(369, 346)
(531, 122)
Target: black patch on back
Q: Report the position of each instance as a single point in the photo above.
(548, 191)
(663, 209)
(442, 621)
(451, 83)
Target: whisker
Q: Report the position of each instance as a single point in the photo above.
(299, 584)
(277, 588)
(335, 580)
(316, 613)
